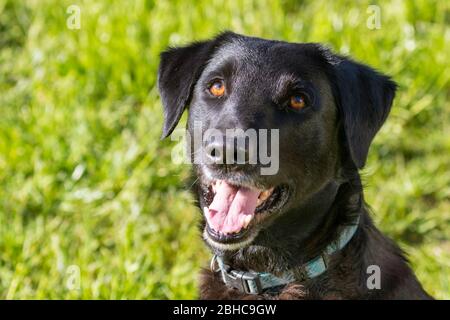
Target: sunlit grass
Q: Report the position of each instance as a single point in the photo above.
(86, 182)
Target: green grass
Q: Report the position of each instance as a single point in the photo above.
(85, 181)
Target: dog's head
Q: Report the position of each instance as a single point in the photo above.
(300, 106)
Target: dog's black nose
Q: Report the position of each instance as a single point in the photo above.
(226, 152)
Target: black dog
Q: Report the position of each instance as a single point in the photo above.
(303, 232)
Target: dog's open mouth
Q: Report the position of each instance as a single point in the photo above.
(232, 211)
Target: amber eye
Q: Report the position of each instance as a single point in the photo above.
(217, 89)
(297, 102)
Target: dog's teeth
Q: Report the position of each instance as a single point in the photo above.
(247, 220)
(258, 202)
(215, 185)
(265, 194)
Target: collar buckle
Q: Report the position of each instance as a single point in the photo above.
(248, 282)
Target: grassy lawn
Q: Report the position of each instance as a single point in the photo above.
(91, 205)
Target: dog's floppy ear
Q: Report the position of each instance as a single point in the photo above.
(179, 70)
(364, 99)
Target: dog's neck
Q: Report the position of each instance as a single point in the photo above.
(302, 232)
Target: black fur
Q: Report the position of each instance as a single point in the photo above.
(182, 68)
(364, 98)
(321, 149)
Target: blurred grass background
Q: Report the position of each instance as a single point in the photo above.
(86, 183)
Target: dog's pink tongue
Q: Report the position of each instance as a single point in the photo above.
(231, 208)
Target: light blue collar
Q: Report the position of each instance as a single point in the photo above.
(257, 282)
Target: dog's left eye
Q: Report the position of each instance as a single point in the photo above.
(297, 101)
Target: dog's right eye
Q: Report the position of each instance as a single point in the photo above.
(217, 88)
